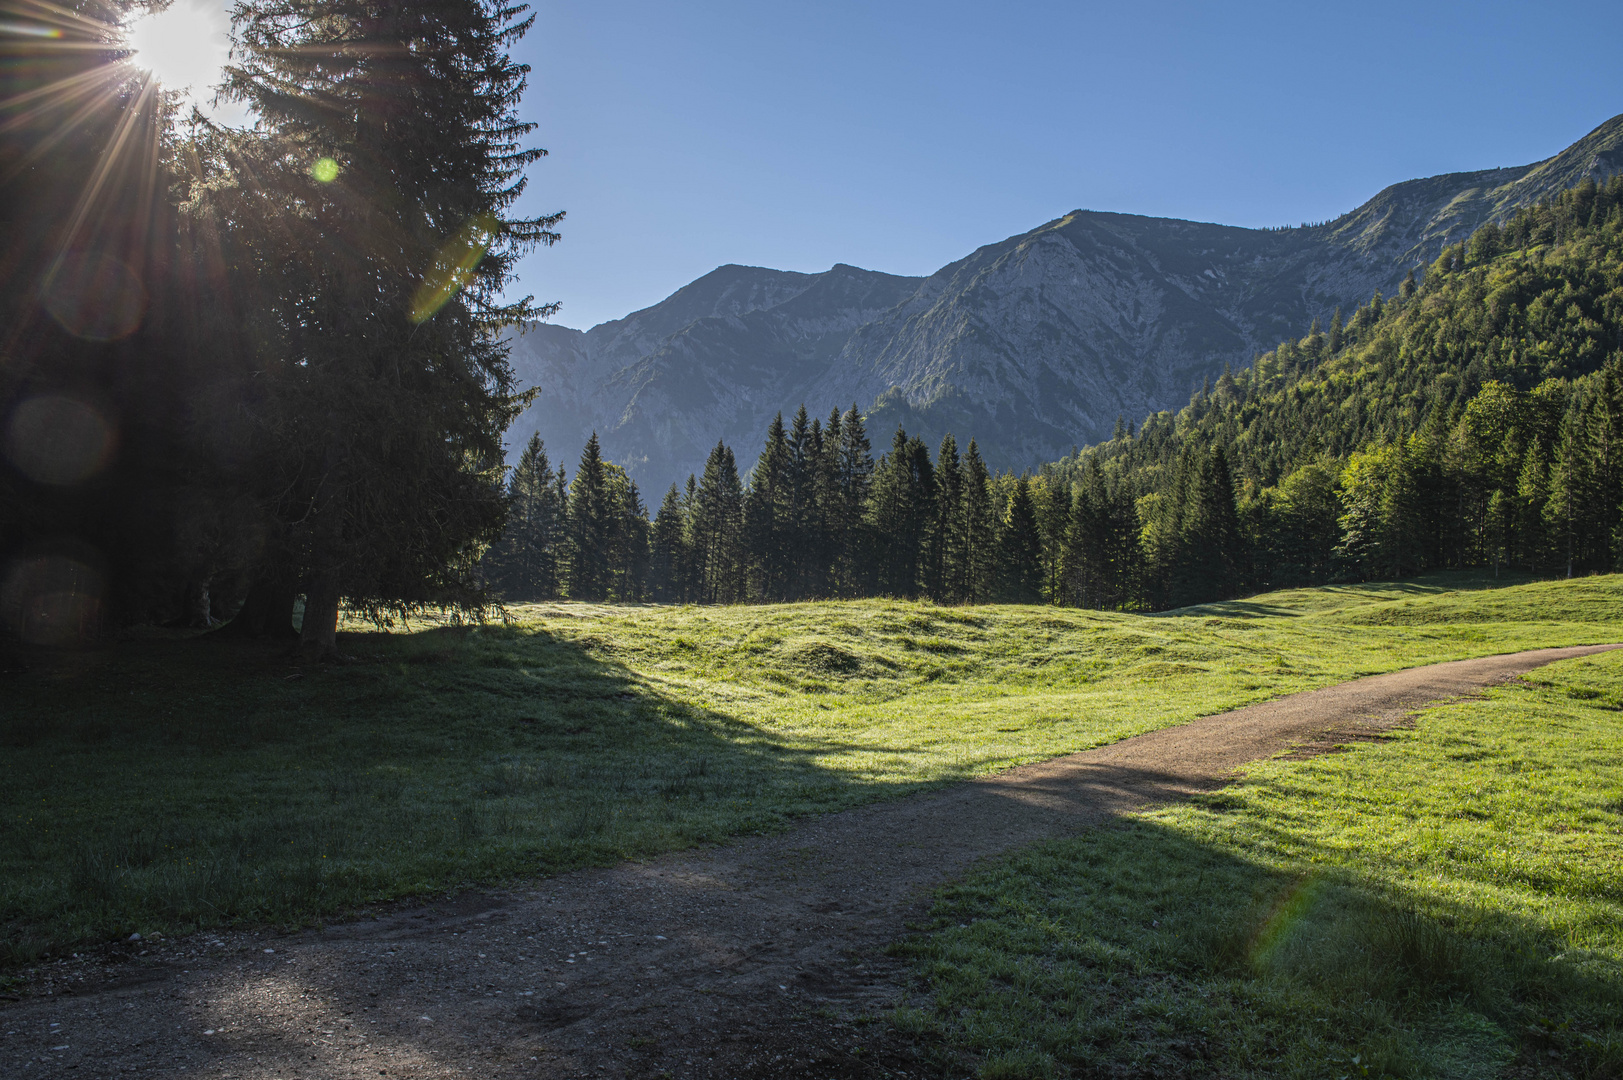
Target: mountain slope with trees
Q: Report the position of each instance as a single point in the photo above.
(1036, 343)
(1473, 420)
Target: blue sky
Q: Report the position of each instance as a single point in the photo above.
(900, 136)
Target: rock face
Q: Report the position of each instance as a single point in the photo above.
(1031, 345)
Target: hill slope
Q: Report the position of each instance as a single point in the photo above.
(1032, 345)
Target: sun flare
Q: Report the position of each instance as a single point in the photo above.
(184, 46)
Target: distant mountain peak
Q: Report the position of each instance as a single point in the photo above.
(1030, 344)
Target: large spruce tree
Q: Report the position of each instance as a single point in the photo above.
(372, 196)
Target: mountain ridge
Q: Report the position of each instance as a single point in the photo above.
(1030, 344)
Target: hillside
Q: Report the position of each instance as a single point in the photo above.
(1033, 345)
(1472, 420)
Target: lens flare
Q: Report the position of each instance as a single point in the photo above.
(325, 170)
(51, 600)
(95, 296)
(1289, 910)
(453, 266)
(17, 29)
(52, 439)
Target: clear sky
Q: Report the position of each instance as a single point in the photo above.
(900, 136)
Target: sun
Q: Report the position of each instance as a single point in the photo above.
(184, 46)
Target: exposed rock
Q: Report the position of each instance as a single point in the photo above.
(1031, 345)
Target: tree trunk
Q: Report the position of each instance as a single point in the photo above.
(318, 638)
(266, 613)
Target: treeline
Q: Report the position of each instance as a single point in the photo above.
(1473, 420)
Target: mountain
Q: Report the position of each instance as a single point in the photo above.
(1031, 345)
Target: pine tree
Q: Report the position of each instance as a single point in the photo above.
(848, 537)
(629, 551)
(1051, 499)
(769, 517)
(948, 561)
(593, 527)
(370, 198)
(668, 555)
(524, 565)
(1020, 548)
(1568, 498)
(980, 530)
(803, 521)
(826, 539)
(901, 505)
(718, 527)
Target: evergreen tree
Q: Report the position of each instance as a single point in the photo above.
(901, 505)
(593, 527)
(980, 530)
(369, 198)
(803, 520)
(628, 550)
(668, 555)
(524, 566)
(848, 537)
(717, 515)
(948, 556)
(1568, 499)
(1020, 548)
(1532, 494)
(769, 517)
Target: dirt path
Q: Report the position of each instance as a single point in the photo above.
(754, 959)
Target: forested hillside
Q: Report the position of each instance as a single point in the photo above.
(1035, 342)
(1472, 420)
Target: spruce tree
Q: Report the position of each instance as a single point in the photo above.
(668, 554)
(948, 548)
(1020, 547)
(802, 520)
(717, 517)
(980, 529)
(370, 196)
(848, 546)
(901, 505)
(524, 566)
(769, 517)
(628, 544)
(592, 521)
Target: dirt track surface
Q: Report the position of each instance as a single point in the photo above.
(759, 958)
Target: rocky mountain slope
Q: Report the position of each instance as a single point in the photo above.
(1031, 345)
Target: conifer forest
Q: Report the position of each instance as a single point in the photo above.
(1473, 420)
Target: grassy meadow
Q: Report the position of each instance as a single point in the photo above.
(167, 784)
(1447, 903)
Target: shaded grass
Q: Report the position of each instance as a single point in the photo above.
(166, 785)
(1446, 903)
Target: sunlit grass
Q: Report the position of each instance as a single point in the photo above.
(167, 785)
(1447, 903)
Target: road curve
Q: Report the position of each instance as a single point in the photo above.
(709, 963)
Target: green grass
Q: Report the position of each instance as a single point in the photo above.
(1446, 903)
(167, 785)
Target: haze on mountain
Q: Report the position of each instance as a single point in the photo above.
(1032, 345)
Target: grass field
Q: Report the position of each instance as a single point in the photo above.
(165, 785)
(1447, 903)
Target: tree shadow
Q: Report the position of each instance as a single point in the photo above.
(1149, 950)
(169, 788)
